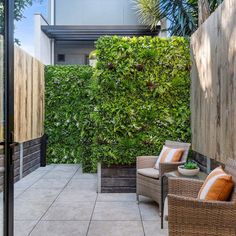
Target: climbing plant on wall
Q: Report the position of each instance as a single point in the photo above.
(142, 88)
(137, 97)
(68, 105)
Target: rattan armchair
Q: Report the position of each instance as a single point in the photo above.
(189, 216)
(149, 178)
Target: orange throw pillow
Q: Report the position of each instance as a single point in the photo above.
(169, 155)
(217, 186)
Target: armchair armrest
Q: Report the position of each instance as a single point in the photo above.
(199, 212)
(184, 187)
(146, 161)
(168, 167)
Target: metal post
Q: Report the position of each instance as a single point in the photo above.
(9, 117)
(208, 165)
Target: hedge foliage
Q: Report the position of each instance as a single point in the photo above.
(142, 89)
(68, 106)
(137, 97)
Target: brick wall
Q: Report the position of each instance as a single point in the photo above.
(31, 160)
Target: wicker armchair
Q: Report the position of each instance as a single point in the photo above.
(149, 178)
(189, 216)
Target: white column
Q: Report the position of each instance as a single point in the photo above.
(42, 43)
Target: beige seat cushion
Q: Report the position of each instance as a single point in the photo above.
(149, 172)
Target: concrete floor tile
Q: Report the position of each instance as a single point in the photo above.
(154, 228)
(59, 174)
(116, 228)
(116, 211)
(83, 184)
(18, 192)
(39, 195)
(72, 195)
(28, 210)
(50, 183)
(58, 228)
(64, 199)
(23, 228)
(26, 182)
(67, 167)
(70, 211)
(116, 197)
(79, 175)
(149, 211)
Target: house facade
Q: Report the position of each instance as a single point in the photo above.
(68, 34)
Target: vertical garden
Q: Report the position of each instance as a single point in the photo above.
(137, 97)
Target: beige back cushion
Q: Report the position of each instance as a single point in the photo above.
(179, 145)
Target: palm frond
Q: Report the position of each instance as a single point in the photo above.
(148, 12)
(182, 15)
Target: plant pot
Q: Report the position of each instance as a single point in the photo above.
(93, 62)
(188, 172)
(116, 178)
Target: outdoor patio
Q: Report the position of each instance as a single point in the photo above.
(61, 200)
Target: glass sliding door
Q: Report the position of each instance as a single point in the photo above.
(2, 169)
(6, 116)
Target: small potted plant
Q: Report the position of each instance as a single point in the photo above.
(93, 58)
(189, 169)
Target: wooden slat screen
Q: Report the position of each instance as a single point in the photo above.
(213, 96)
(29, 97)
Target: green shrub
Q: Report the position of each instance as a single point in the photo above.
(68, 107)
(138, 96)
(142, 91)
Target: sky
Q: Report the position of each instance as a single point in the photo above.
(24, 29)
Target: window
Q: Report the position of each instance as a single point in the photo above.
(61, 58)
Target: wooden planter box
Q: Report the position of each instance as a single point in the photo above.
(116, 178)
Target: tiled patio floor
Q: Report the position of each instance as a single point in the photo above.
(60, 200)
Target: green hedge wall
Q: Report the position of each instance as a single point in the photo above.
(142, 90)
(137, 97)
(68, 107)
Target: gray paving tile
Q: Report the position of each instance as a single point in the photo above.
(73, 195)
(50, 183)
(23, 228)
(30, 210)
(58, 228)
(18, 192)
(116, 228)
(149, 211)
(83, 185)
(114, 214)
(39, 195)
(116, 211)
(46, 168)
(26, 182)
(79, 175)
(70, 211)
(59, 174)
(66, 167)
(154, 228)
(116, 197)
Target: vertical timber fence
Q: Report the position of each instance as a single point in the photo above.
(28, 113)
(213, 98)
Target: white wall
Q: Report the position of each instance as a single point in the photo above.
(43, 45)
(95, 12)
(75, 52)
